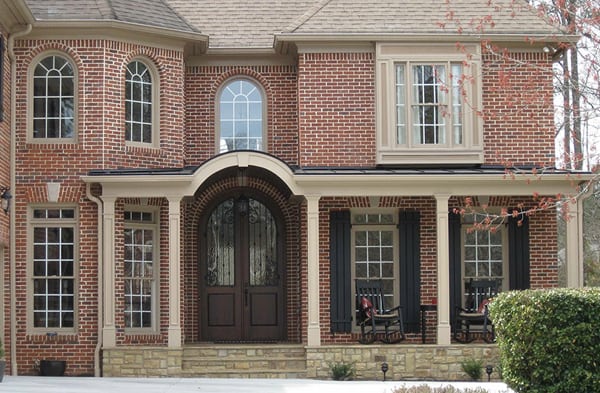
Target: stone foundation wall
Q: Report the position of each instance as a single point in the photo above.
(142, 362)
(405, 362)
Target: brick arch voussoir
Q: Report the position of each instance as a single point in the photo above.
(56, 47)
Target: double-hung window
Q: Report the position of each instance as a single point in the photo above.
(428, 100)
(140, 269)
(54, 99)
(375, 250)
(484, 253)
(54, 267)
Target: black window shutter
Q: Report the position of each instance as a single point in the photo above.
(410, 269)
(339, 257)
(455, 245)
(518, 253)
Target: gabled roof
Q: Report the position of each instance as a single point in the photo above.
(241, 24)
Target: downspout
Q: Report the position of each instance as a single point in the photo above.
(13, 182)
(98, 201)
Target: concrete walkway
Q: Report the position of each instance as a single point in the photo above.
(206, 385)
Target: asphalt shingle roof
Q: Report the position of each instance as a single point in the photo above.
(254, 24)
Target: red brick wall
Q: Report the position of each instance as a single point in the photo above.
(337, 109)
(280, 86)
(518, 109)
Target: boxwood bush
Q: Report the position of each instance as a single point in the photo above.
(549, 340)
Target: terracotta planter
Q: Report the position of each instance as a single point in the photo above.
(52, 368)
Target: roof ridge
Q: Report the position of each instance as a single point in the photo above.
(302, 19)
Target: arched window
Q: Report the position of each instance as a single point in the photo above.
(54, 98)
(138, 103)
(241, 115)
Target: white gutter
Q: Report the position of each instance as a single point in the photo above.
(97, 365)
(12, 164)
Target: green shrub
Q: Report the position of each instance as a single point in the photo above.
(473, 368)
(442, 389)
(549, 340)
(341, 371)
(1, 350)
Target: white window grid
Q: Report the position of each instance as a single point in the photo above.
(139, 270)
(138, 103)
(241, 116)
(54, 268)
(53, 98)
(435, 110)
(374, 258)
(483, 254)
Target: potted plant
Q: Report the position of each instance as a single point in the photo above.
(2, 361)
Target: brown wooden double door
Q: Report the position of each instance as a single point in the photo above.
(241, 273)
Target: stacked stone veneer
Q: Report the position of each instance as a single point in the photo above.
(406, 362)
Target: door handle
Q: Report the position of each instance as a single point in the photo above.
(246, 294)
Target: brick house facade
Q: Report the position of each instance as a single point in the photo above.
(152, 211)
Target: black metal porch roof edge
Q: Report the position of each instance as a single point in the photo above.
(325, 171)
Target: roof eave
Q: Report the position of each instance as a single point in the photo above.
(187, 36)
(283, 40)
(14, 14)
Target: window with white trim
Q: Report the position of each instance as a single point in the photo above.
(485, 253)
(241, 116)
(375, 251)
(140, 270)
(54, 267)
(54, 96)
(428, 99)
(139, 103)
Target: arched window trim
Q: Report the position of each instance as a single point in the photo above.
(259, 86)
(31, 94)
(155, 119)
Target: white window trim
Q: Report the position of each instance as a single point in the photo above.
(55, 222)
(259, 86)
(396, 254)
(155, 103)
(505, 266)
(30, 76)
(155, 226)
(389, 152)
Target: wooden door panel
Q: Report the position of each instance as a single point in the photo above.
(221, 309)
(264, 310)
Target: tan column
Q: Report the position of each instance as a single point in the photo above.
(574, 255)
(109, 338)
(174, 272)
(443, 270)
(314, 329)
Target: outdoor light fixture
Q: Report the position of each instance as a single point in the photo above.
(488, 371)
(384, 369)
(5, 198)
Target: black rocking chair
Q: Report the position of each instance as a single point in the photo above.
(473, 320)
(373, 317)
